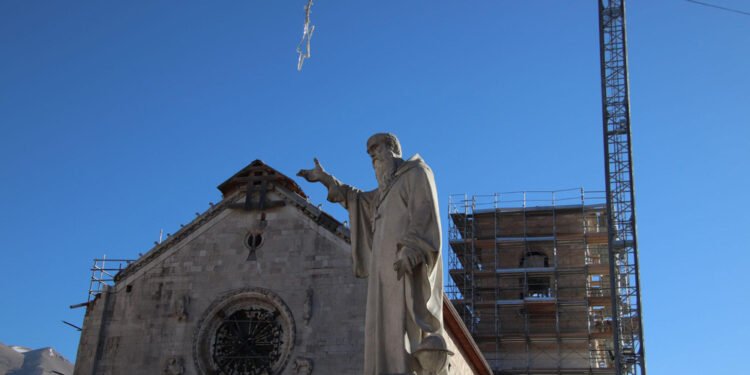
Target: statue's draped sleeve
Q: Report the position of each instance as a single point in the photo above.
(359, 205)
(424, 295)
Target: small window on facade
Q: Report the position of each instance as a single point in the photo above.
(253, 241)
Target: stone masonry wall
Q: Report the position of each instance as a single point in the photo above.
(151, 317)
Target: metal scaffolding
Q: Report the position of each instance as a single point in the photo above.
(629, 351)
(529, 275)
(103, 274)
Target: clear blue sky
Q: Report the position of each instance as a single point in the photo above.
(121, 118)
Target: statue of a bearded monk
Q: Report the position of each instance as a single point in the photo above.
(396, 242)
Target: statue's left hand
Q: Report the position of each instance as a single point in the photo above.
(408, 260)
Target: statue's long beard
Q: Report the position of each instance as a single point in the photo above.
(384, 170)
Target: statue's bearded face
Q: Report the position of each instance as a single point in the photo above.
(383, 161)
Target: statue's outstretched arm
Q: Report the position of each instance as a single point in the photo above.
(337, 191)
(317, 174)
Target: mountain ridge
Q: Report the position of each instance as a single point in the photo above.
(18, 360)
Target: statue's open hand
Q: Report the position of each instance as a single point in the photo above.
(313, 175)
(407, 261)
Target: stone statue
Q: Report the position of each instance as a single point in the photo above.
(396, 243)
(173, 366)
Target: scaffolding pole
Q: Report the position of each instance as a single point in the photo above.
(103, 274)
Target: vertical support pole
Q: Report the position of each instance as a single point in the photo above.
(93, 280)
(623, 250)
(467, 291)
(556, 276)
(472, 264)
(525, 291)
(101, 272)
(587, 284)
(496, 307)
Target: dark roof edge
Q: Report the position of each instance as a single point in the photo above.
(319, 216)
(185, 231)
(464, 340)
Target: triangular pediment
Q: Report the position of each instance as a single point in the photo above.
(235, 192)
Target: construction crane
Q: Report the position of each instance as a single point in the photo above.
(628, 353)
(628, 348)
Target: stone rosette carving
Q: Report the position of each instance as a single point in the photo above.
(250, 329)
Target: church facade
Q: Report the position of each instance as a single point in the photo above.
(261, 283)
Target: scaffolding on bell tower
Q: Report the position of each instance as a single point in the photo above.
(529, 275)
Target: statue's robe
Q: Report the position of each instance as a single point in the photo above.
(400, 313)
